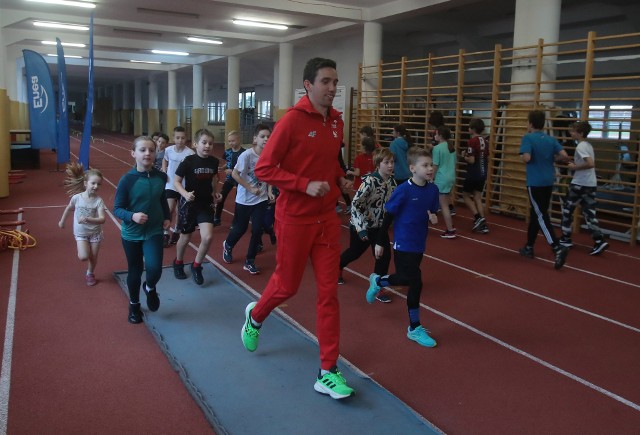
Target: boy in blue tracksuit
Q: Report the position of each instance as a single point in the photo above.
(411, 207)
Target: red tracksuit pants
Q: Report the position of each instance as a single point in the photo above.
(296, 244)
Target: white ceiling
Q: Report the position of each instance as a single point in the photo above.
(130, 29)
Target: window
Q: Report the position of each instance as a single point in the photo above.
(247, 100)
(613, 122)
(216, 112)
(264, 109)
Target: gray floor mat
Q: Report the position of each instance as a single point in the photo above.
(270, 390)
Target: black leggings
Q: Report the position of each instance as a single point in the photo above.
(408, 274)
(244, 214)
(141, 254)
(357, 247)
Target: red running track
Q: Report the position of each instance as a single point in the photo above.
(522, 348)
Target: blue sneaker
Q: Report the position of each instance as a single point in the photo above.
(421, 336)
(374, 288)
(226, 253)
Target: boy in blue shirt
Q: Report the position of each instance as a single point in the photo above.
(412, 206)
(539, 151)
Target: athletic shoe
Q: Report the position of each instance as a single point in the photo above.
(561, 256)
(153, 301)
(340, 280)
(226, 252)
(174, 238)
(600, 246)
(166, 240)
(527, 251)
(178, 270)
(135, 313)
(421, 336)
(477, 225)
(383, 297)
(217, 222)
(250, 267)
(347, 210)
(484, 229)
(449, 234)
(452, 211)
(196, 274)
(566, 242)
(333, 384)
(374, 288)
(91, 279)
(250, 333)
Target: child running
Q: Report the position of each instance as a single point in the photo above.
(162, 140)
(444, 165)
(141, 204)
(477, 157)
(582, 190)
(198, 195)
(411, 207)
(251, 202)
(173, 155)
(367, 211)
(231, 155)
(363, 164)
(88, 215)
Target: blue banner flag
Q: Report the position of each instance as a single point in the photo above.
(42, 107)
(64, 153)
(85, 145)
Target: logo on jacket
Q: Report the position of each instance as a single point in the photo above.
(334, 124)
(312, 133)
(335, 134)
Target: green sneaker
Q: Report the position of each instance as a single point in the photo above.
(250, 333)
(333, 384)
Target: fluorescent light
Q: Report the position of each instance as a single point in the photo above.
(204, 40)
(65, 44)
(78, 4)
(146, 61)
(69, 56)
(59, 25)
(173, 53)
(260, 24)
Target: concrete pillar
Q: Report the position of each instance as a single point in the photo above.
(137, 108)
(232, 118)
(285, 80)
(125, 115)
(172, 103)
(534, 21)
(153, 114)
(197, 112)
(371, 56)
(5, 143)
(205, 100)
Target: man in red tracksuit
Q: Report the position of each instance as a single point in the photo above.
(301, 160)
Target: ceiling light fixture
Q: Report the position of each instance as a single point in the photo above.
(59, 25)
(204, 40)
(260, 24)
(65, 44)
(67, 56)
(78, 4)
(146, 61)
(171, 53)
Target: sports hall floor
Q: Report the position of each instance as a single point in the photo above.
(522, 348)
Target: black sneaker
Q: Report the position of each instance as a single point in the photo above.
(174, 238)
(217, 222)
(383, 297)
(196, 274)
(340, 280)
(477, 225)
(452, 211)
(153, 300)
(178, 271)
(561, 256)
(135, 313)
(600, 246)
(484, 229)
(566, 242)
(527, 251)
(166, 238)
(226, 253)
